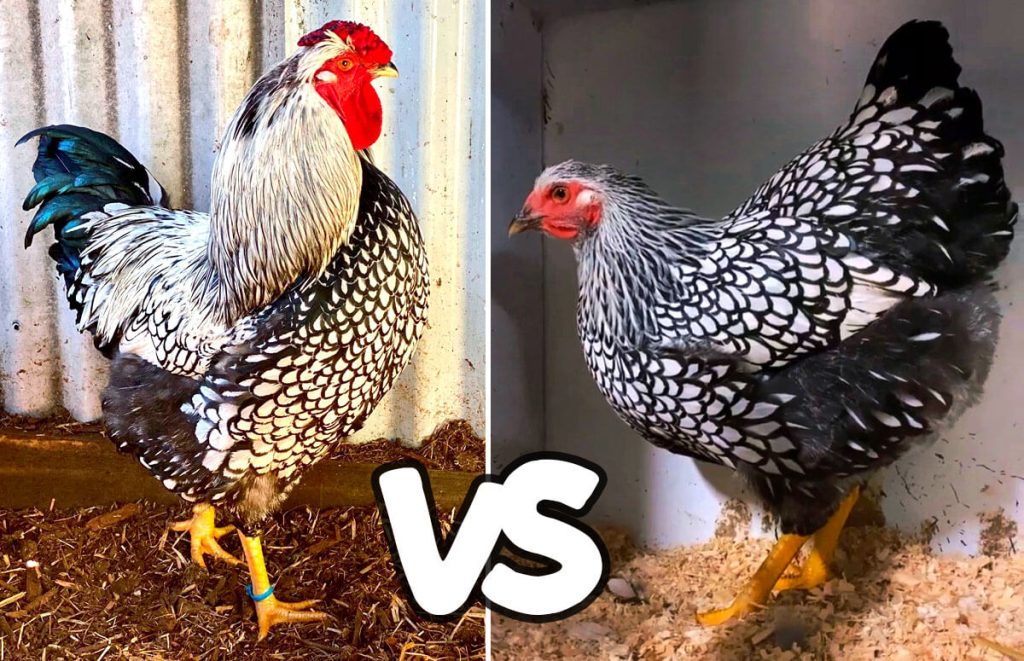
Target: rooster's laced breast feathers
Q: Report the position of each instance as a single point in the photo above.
(301, 373)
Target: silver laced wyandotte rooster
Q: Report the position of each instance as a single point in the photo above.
(819, 331)
(249, 341)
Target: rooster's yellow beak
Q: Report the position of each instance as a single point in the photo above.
(388, 70)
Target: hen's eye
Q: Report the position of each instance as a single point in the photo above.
(346, 64)
(560, 194)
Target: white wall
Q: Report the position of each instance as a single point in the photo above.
(164, 76)
(705, 100)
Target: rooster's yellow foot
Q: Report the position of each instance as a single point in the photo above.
(270, 611)
(204, 533)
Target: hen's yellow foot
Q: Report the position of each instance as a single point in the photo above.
(736, 610)
(826, 540)
(270, 611)
(814, 573)
(204, 533)
(756, 592)
(1008, 652)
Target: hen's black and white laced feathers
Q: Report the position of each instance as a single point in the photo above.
(836, 315)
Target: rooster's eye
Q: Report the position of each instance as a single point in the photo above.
(560, 194)
(346, 64)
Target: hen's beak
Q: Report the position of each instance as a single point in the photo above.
(523, 222)
(388, 70)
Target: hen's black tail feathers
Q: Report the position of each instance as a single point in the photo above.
(960, 224)
(79, 171)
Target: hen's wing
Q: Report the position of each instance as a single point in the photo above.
(772, 288)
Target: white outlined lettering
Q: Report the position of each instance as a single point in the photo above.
(532, 511)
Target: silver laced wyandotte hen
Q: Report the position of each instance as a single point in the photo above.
(819, 331)
(249, 341)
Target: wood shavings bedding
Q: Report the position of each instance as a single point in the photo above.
(891, 599)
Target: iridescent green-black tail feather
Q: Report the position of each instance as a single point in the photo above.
(79, 171)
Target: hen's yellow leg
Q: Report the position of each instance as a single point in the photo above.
(1008, 652)
(270, 611)
(755, 594)
(816, 568)
(204, 533)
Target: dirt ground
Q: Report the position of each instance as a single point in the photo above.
(112, 583)
(892, 600)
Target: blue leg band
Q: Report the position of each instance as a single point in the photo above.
(258, 597)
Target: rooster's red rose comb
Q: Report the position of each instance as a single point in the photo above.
(363, 40)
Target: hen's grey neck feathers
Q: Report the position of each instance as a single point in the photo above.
(628, 258)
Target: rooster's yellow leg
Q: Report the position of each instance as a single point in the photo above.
(816, 568)
(270, 611)
(204, 533)
(755, 594)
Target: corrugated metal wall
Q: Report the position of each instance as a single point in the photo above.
(164, 76)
